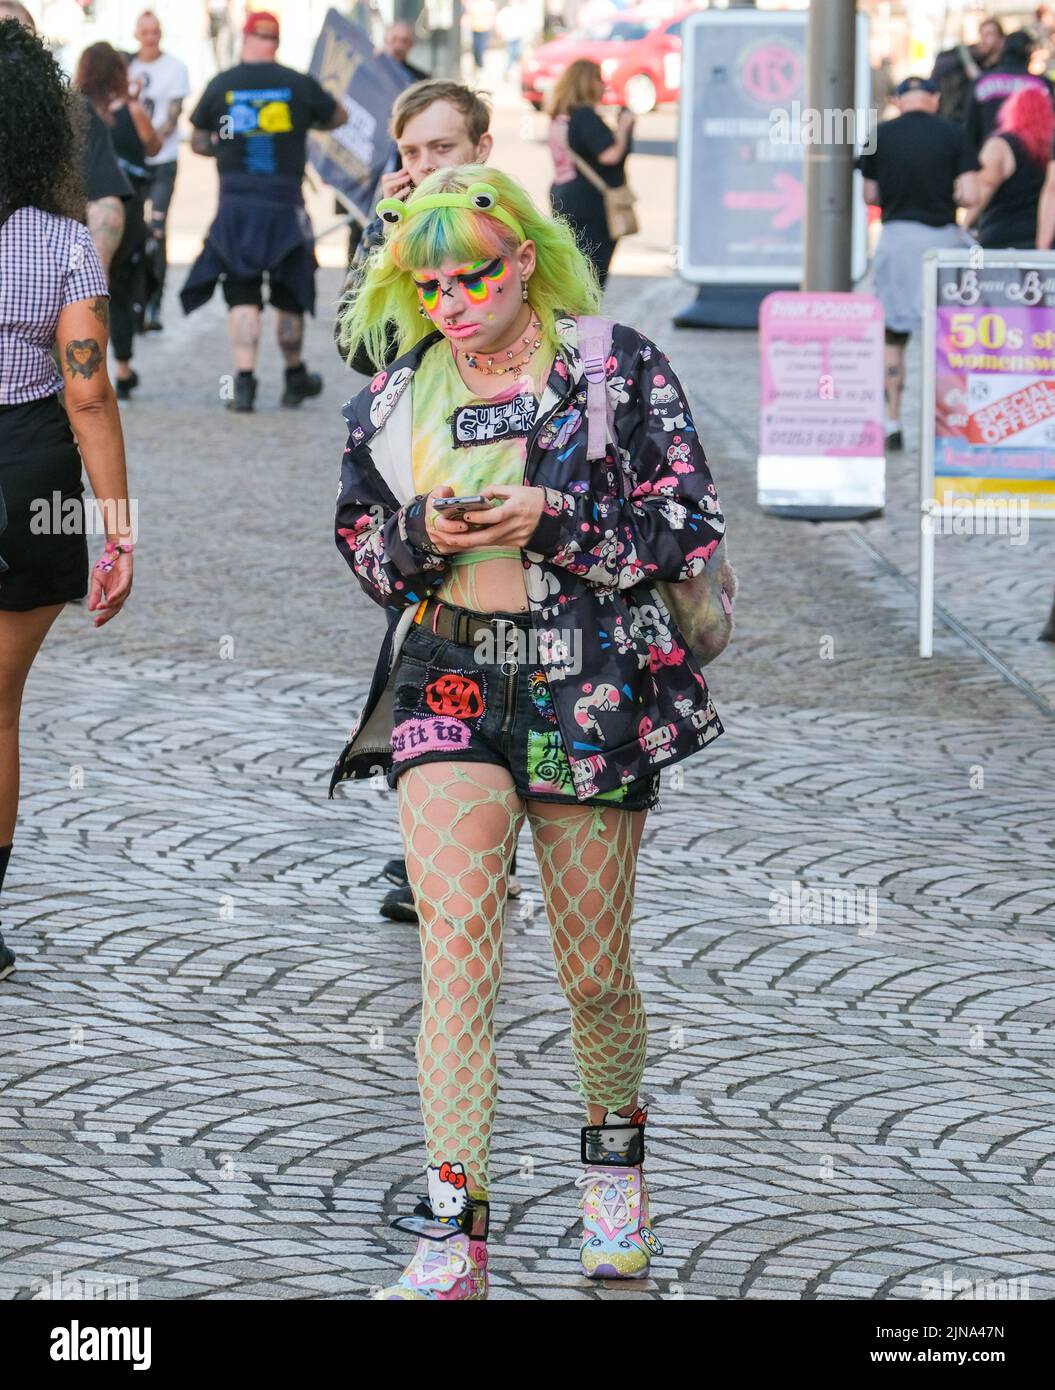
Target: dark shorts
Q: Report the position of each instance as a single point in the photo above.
(238, 291)
(450, 707)
(43, 544)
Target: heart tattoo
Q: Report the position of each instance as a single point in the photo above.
(83, 357)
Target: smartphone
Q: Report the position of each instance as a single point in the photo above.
(454, 508)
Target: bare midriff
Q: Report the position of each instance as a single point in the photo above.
(489, 579)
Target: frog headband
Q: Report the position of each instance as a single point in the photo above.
(479, 197)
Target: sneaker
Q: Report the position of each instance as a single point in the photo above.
(7, 960)
(895, 442)
(152, 324)
(398, 905)
(617, 1241)
(450, 1261)
(244, 393)
(300, 385)
(124, 387)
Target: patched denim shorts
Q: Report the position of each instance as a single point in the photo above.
(451, 707)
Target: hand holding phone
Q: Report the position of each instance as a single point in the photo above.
(455, 508)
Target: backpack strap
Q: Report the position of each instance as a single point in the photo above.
(595, 348)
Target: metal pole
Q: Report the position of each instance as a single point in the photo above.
(830, 64)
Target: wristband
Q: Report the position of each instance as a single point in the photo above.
(111, 550)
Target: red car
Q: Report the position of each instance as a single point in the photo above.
(639, 57)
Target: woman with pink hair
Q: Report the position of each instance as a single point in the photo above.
(1014, 162)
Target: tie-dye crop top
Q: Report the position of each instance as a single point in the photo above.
(461, 439)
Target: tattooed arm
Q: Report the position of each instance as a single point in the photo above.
(81, 341)
(106, 222)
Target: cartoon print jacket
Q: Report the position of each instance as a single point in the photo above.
(646, 511)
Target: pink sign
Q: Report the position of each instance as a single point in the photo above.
(822, 375)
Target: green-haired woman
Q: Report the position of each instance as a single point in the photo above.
(531, 666)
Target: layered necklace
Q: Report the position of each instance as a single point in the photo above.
(528, 346)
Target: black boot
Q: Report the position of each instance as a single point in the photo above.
(300, 384)
(244, 392)
(124, 387)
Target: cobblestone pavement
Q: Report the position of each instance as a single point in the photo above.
(207, 1075)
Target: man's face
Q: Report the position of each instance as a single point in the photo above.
(148, 32)
(399, 40)
(437, 138)
(990, 40)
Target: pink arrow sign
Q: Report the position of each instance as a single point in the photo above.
(786, 199)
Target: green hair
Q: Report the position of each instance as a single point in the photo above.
(563, 282)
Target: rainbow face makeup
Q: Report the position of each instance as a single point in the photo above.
(481, 280)
(429, 294)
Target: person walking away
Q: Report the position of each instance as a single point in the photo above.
(1013, 168)
(53, 300)
(587, 158)
(958, 69)
(164, 87)
(254, 119)
(1009, 75)
(914, 175)
(490, 295)
(435, 125)
(511, 24)
(102, 75)
(480, 17)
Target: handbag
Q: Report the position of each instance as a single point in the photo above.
(702, 607)
(618, 202)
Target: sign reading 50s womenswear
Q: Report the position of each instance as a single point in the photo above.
(994, 382)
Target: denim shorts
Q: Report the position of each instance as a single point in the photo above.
(451, 707)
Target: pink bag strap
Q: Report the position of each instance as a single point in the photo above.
(595, 348)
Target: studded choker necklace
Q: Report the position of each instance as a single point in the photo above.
(530, 344)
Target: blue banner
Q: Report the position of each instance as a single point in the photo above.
(352, 158)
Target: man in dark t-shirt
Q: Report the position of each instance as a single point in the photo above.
(1011, 74)
(913, 174)
(254, 120)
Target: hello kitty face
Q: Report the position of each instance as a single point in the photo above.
(388, 392)
(448, 1190)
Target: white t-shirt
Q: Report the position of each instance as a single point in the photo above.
(164, 80)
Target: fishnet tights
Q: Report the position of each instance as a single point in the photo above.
(460, 823)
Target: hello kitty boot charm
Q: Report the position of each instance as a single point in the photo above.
(450, 1261)
(617, 1242)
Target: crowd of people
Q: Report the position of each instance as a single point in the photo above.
(515, 462)
(969, 160)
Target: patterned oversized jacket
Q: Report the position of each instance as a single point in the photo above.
(628, 696)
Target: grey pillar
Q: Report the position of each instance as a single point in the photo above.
(829, 168)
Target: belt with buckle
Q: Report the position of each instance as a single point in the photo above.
(463, 627)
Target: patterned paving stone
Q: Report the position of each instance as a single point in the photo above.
(207, 1069)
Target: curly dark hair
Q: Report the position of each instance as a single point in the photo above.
(102, 75)
(41, 129)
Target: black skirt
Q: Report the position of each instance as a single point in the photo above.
(43, 544)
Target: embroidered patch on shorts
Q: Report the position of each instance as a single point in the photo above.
(416, 736)
(542, 696)
(548, 769)
(455, 695)
(483, 424)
